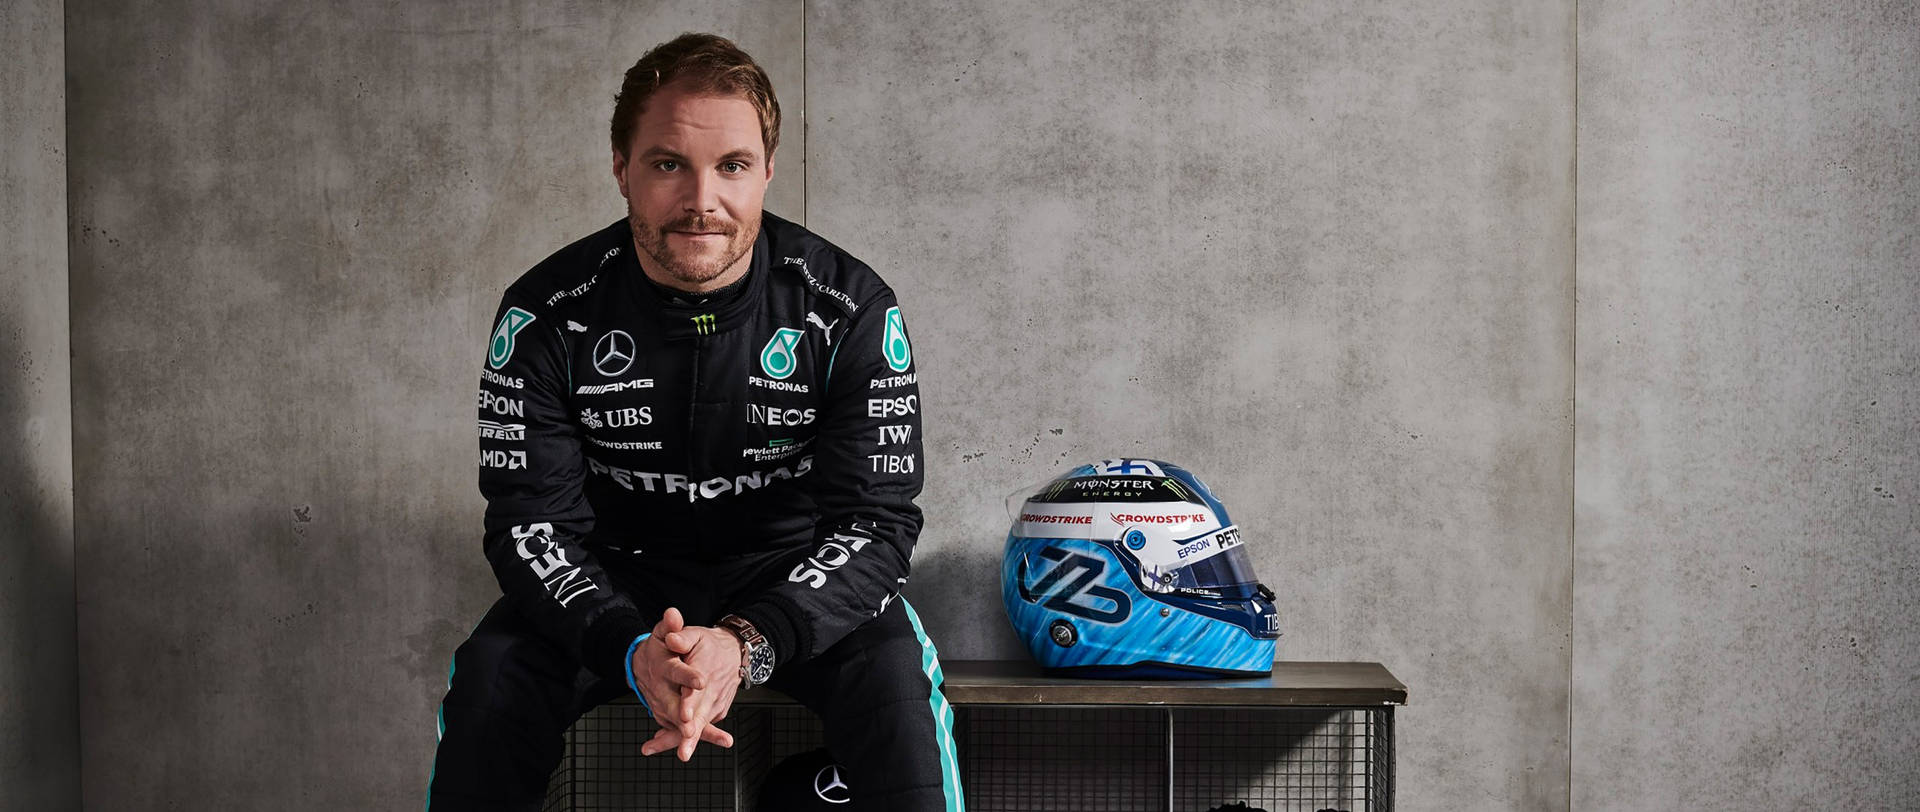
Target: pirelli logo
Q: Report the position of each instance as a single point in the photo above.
(703, 324)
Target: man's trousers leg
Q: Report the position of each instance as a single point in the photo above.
(511, 695)
(877, 693)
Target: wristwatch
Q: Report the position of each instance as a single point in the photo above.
(756, 657)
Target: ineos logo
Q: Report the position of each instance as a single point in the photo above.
(832, 555)
(613, 354)
(828, 785)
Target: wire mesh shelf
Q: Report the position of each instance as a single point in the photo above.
(1023, 759)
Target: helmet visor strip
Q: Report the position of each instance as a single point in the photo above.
(1214, 565)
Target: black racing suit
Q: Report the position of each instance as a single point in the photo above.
(757, 452)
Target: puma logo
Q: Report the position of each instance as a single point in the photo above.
(826, 328)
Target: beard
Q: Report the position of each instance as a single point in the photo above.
(691, 267)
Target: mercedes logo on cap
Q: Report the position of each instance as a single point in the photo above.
(827, 785)
(613, 354)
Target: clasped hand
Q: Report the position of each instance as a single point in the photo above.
(688, 675)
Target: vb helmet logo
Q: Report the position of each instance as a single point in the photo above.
(501, 348)
(777, 359)
(894, 343)
(1136, 540)
(1071, 587)
(703, 324)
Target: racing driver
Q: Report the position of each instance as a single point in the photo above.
(700, 448)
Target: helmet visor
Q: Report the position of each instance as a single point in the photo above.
(1227, 573)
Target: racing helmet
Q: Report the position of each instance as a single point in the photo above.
(1130, 568)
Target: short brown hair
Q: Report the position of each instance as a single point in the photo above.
(714, 65)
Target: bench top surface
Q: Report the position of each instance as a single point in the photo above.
(1017, 682)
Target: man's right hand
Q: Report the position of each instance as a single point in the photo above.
(660, 674)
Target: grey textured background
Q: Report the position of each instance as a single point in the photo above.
(289, 229)
(1747, 574)
(39, 730)
(1323, 255)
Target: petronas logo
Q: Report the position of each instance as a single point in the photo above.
(501, 348)
(777, 360)
(894, 343)
(703, 324)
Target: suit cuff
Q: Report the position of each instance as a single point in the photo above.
(781, 623)
(604, 647)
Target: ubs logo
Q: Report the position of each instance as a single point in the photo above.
(613, 353)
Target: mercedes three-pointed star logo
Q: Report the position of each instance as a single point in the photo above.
(613, 353)
(827, 785)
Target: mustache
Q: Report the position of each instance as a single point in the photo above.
(701, 223)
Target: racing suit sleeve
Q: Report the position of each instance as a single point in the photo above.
(532, 473)
(866, 474)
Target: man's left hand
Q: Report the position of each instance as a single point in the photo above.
(707, 694)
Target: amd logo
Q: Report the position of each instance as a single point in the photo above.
(509, 460)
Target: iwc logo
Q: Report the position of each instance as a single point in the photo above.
(613, 353)
(830, 787)
(778, 360)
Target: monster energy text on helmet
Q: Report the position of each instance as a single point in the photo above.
(1131, 568)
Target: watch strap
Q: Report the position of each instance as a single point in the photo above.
(752, 644)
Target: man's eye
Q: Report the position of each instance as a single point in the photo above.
(733, 166)
(666, 166)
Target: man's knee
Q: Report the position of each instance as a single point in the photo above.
(511, 676)
(889, 667)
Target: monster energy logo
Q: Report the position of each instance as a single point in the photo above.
(1179, 491)
(703, 324)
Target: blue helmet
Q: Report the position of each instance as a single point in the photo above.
(1131, 568)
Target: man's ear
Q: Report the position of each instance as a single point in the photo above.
(769, 168)
(620, 171)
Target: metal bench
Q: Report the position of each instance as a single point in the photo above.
(1312, 736)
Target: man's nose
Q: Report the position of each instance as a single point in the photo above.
(703, 193)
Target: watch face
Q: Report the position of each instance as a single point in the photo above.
(760, 664)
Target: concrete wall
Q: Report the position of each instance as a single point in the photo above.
(39, 729)
(1324, 255)
(1748, 556)
(1321, 255)
(290, 227)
